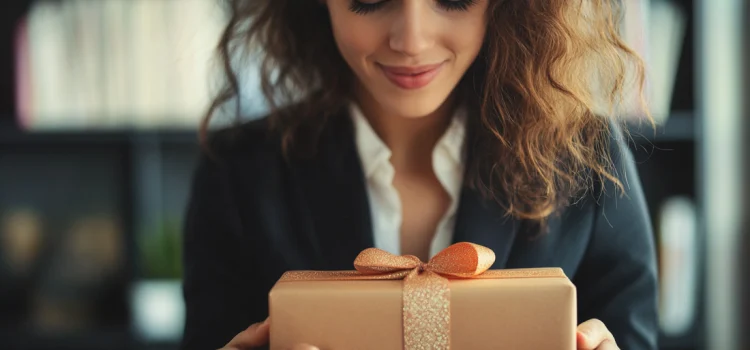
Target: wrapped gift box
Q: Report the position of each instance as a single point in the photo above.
(497, 309)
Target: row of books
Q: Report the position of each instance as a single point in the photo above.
(116, 63)
(147, 63)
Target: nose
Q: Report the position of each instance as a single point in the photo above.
(411, 32)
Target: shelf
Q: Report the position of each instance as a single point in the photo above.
(679, 127)
(11, 136)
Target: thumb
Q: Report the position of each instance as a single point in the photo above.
(591, 334)
(254, 336)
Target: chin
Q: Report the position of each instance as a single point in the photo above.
(413, 106)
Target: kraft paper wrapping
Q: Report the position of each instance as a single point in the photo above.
(496, 309)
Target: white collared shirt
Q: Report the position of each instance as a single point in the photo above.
(385, 204)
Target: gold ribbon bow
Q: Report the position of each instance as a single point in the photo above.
(426, 295)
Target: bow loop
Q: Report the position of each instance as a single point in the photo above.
(462, 260)
(377, 261)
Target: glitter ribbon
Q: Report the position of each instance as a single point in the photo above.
(426, 295)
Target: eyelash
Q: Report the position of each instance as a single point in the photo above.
(362, 8)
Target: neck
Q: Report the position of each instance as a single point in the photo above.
(410, 139)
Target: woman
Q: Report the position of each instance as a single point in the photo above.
(411, 124)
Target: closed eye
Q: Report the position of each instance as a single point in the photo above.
(364, 7)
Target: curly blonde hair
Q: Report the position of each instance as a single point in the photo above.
(540, 137)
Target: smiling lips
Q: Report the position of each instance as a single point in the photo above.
(411, 77)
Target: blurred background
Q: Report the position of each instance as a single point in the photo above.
(99, 106)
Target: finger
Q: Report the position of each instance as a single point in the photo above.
(608, 345)
(304, 347)
(591, 334)
(255, 335)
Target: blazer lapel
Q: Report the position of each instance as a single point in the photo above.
(482, 222)
(336, 196)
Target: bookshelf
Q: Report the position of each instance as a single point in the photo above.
(154, 166)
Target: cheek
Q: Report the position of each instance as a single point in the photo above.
(354, 46)
(353, 35)
(465, 32)
(466, 40)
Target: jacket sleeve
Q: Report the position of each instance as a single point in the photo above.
(219, 298)
(617, 280)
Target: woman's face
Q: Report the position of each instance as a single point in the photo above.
(408, 55)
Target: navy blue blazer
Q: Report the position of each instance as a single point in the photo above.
(252, 216)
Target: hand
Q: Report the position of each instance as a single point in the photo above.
(257, 335)
(594, 335)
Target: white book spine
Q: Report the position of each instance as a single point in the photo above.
(114, 60)
(46, 55)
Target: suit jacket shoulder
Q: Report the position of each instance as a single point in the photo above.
(238, 142)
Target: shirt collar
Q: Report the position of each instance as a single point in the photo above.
(374, 153)
(453, 139)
